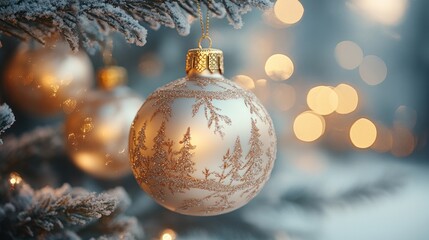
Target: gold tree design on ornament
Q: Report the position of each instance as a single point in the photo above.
(172, 170)
(162, 99)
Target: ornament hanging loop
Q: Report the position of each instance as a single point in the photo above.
(201, 40)
(204, 61)
(204, 29)
(110, 76)
(107, 52)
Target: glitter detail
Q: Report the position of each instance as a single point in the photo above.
(87, 125)
(202, 59)
(163, 98)
(172, 170)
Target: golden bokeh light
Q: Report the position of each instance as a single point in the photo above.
(347, 98)
(279, 67)
(244, 81)
(168, 234)
(309, 126)
(348, 54)
(283, 97)
(363, 133)
(373, 70)
(14, 179)
(388, 12)
(322, 100)
(404, 142)
(288, 11)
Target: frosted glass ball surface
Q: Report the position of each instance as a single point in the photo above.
(202, 146)
(43, 81)
(97, 132)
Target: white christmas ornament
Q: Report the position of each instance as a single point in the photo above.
(202, 145)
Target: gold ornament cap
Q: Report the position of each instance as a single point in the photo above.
(199, 60)
(111, 76)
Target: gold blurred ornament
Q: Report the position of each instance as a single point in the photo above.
(201, 145)
(97, 131)
(43, 80)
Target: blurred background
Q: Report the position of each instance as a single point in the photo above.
(346, 84)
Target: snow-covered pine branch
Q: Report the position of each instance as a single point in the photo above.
(64, 213)
(87, 22)
(6, 118)
(32, 148)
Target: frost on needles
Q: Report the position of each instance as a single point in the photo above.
(6, 118)
(64, 213)
(87, 22)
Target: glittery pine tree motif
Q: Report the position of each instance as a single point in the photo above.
(172, 170)
(167, 167)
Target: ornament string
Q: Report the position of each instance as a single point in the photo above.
(204, 27)
(107, 53)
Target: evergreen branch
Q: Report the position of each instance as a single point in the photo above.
(86, 22)
(116, 226)
(312, 201)
(6, 118)
(64, 213)
(37, 146)
(120, 228)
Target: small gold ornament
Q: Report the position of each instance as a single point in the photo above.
(97, 131)
(201, 145)
(45, 80)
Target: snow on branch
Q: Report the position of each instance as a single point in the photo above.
(6, 118)
(63, 213)
(31, 149)
(87, 22)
